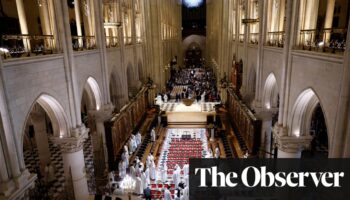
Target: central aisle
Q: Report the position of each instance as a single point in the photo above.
(180, 145)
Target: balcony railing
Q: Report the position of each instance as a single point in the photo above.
(275, 39)
(112, 41)
(81, 43)
(16, 46)
(128, 40)
(138, 40)
(241, 38)
(325, 40)
(254, 38)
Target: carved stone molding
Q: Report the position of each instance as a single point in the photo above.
(75, 142)
(104, 113)
(289, 144)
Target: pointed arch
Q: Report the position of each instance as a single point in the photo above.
(270, 92)
(55, 111)
(302, 112)
(94, 93)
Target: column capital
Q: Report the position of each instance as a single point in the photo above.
(73, 143)
(290, 144)
(104, 113)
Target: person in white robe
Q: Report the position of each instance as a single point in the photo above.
(138, 138)
(148, 160)
(131, 146)
(217, 152)
(147, 174)
(137, 160)
(138, 187)
(185, 169)
(167, 194)
(165, 98)
(186, 194)
(126, 149)
(125, 158)
(132, 171)
(186, 179)
(164, 174)
(134, 144)
(122, 169)
(153, 171)
(176, 178)
(111, 176)
(137, 170)
(159, 100)
(144, 180)
(153, 135)
(178, 169)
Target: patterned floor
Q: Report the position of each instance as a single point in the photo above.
(32, 162)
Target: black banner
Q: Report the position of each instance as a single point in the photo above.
(270, 179)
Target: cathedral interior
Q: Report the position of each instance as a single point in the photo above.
(100, 99)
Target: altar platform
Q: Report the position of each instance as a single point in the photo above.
(197, 113)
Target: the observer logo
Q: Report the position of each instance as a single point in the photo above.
(264, 178)
(270, 179)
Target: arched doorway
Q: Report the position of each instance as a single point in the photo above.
(91, 101)
(309, 120)
(46, 119)
(318, 129)
(270, 103)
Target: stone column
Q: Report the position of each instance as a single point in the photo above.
(266, 131)
(73, 162)
(41, 139)
(290, 146)
(99, 139)
(45, 21)
(329, 18)
(23, 23)
(78, 20)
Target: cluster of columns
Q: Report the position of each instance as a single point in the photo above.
(46, 18)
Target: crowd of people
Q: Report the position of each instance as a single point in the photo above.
(200, 84)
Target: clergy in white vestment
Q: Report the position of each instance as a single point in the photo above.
(186, 194)
(164, 174)
(176, 178)
(138, 138)
(144, 180)
(138, 170)
(153, 135)
(122, 168)
(167, 194)
(134, 143)
(165, 98)
(186, 178)
(153, 171)
(217, 152)
(148, 160)
(111, 176)
(125, 158)
(132, 171)
(126, 149)
(138, 187)
(131, 146)
(148, 179)
(185, 169)
(137, 160)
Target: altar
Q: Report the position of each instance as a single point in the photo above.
(179, 113)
